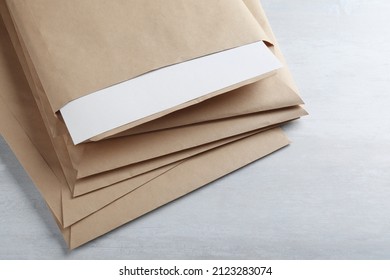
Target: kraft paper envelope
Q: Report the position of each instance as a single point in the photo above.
(289, 82)
(79, 208)
(281, 85)
(110, 178)
(64, 209)
(67, 230)
(263, 95)
(64, 152)
(180, 181)
(76, 209)
(102, 178)
(70, 72)
(260, 89)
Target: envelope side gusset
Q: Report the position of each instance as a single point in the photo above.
(79, 47)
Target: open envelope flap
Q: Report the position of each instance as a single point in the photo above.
(79, 47)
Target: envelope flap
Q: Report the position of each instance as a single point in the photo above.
(79, 47)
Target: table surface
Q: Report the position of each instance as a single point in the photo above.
(326, 196)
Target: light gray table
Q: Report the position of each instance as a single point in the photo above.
(327, 196)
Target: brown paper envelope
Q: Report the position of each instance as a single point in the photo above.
(108, 197)
(282, 85)
(254, 104)
(14, 125)
(39, 32)
(181, 180)
(74, 210)
(70, 168)
(65, 231)
(39, 142)
(134, 37)
(261, 88)
(64, 150)
(123, 174)
(93, 153)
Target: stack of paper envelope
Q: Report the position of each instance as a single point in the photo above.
(116, 107)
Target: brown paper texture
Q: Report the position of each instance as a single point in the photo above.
(76, 209)
(53, 122)
(71, 166)
(43, 175)
(69, 66)
(42, 172)
(106, 196)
